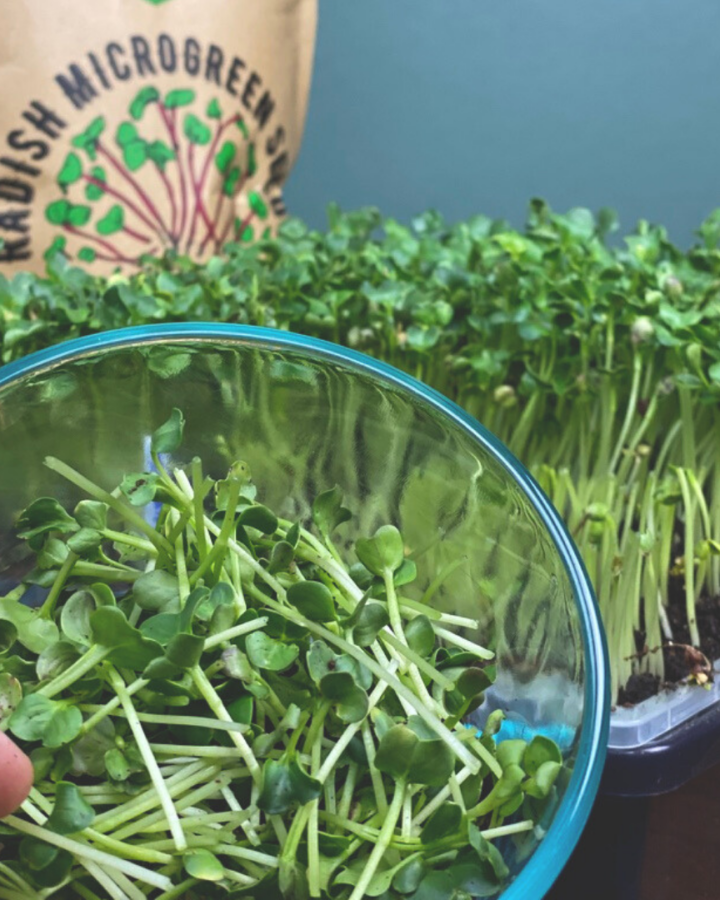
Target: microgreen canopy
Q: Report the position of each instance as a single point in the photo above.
(546, 335)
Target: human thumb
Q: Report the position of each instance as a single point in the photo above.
(16, 776)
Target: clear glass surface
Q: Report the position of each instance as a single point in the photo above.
(306, 415)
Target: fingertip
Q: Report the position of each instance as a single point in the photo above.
(16, 776)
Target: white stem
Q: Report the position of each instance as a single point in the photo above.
(375, 776)
(397, 662)
(111, 705)
(215, 703)
(83, 852)
(440, 798)
(34, 813)
(118, 886)
(383, 842)
(483, 752)
(348, 791)
(430, 719)
(406, 830)
(456, 792)
(75, 672)
(148, 800)
(15, 879)
(195, 752)
(150, 761)
(343, 742)
(236, 808)
(234, 632)
(313, 846)
(9, 893)
(237, 877)
(264, 859)
(664, 620)
(154, 822)
(504, 830)
(453, 638)
(419, 608)
(422, 664)
(199, 721)
(330, 797)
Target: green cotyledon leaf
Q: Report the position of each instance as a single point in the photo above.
(541, 782)
(87, 254)
(8, 636)
(420, 758)
(169, 435)
(488, 853)
(382, 552)
(539, 751)
(127, 647)
(328, 512)
(10, 696)
(54, 659)
(33, 630)
(140, 488)
(379, 885)
(420, 635)
(183, 651)
(50, 866)
(266, 653)
(313, 599)
(92, 514)
(135, 154)
(42, 516)
(258, 205)
(207, 603)
(85, 542)
(157, 591)
(37, 718)
(126, 133)
(443, 822)
(350, 701)
(260, 518)
(89, 751)
(286, 785)
(160, 153)
(203, 865)
(281, 557)
(371, 620)
(72, 812)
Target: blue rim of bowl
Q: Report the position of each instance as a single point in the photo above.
(548, 860)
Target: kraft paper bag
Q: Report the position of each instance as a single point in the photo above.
(129, 127)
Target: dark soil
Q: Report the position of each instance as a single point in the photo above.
(681, 661)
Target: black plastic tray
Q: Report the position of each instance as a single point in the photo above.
(607, 863)
(668, 762)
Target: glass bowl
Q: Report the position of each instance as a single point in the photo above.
(307, 415)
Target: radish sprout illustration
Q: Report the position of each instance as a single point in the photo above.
(119, 221)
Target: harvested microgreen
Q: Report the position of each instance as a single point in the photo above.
(215, 708)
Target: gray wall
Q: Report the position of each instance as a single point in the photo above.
(477, 105)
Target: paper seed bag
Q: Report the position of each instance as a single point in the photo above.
(128, 127)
